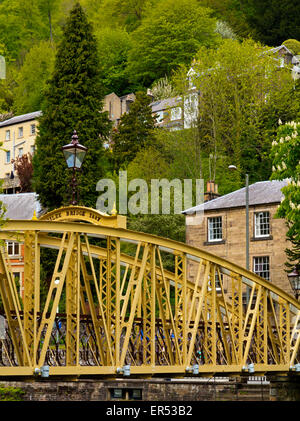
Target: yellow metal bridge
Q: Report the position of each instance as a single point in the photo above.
(122, 303)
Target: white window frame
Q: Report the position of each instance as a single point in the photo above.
(176, 113)
(190, 110)
(214, 232)
(159, 116)
(261, 225)
(20, 152)
(7, 135)
(7, 157)
(261, 266)
(32, 128)
(15, 248)
(20, 132)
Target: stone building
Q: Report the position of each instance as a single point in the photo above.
(116, 106)
(18, 137)
(168, 113)
(19, 206)
(222, 230)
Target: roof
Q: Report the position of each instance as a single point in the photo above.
(280, 47)
(165, 103)
(130, 96)
(20, 118)
(21, 205)
(260, 193)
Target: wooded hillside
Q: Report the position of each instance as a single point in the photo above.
(139, 41)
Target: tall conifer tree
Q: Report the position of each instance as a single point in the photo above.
(73, 101)
(134, 132)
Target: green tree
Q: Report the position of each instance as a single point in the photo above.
(11, 393)
(122, 14)
(267, 21)
(233, 13)
(285, 155)
(149, 163)
(239, 86)
(6, 84)
(272, 21)
(293, 45)
(167, 226)
(175, 155)
(162, 89)
(113, 46)
(49, 10)
(7, 93)
(72, 102)
(20, 26)
(24, 169)
(169, 35)
(32, 77)
(131, 12)
(134, 132)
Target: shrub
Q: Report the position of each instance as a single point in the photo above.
(11, 394)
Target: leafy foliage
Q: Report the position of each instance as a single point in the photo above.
(233, 13)
(31, 80)
(240, 84)
(117, 13)
(72, 102)
(139, 41)
(286, 165)
(272, 21)
(168, 226)
(134, 132)
(20, 24)
(24, 169)
(11, 394)
(267, 21)
(162, 89)
(169, 35)
(293, 45)
(113, 46)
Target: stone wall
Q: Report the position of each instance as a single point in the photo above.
(155, 390)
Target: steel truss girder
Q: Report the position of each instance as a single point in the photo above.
(128, 309)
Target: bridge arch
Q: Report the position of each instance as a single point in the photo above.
(122, 302)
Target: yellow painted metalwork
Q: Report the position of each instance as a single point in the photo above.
(106, 309)
(80, 213)
(31, 300)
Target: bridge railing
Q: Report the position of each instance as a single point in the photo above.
(120, 302)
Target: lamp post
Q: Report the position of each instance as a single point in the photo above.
(74, 154)
(234, 168)
(294, 278)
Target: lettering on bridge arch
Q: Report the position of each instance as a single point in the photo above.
(81, 213)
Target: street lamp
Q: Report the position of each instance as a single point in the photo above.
(234, 168)
(294, 278)
(74, 154)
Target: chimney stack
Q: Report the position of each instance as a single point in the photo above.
(211, 191)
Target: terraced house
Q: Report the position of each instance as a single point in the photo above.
(222, 230)
(18, 137)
